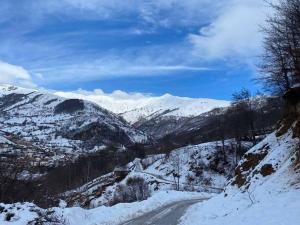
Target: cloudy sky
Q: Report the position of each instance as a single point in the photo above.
(196, 48)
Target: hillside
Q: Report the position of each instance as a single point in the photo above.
(264, 191)
(45, 138)
(266, 183)
(64, 125)
(217, 124)
(204, 167)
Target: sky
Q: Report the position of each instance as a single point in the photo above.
(193, 48)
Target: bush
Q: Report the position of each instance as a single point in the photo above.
(9, 216)
(48, 217)
(218, 162)
(207, 181)
(136, 189)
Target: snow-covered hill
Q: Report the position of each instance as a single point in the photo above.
(204, 167)
(266, 186)
(59, 125)
(137, 107)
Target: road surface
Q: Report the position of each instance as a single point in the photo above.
(167, 215)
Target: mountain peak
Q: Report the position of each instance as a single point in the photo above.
(134, 108)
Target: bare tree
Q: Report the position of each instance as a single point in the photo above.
(176, 165)
(281, 61)
(9, 175)
(242, 102)
(136, 189)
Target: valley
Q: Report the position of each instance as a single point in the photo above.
(150, 112)
(71, 149)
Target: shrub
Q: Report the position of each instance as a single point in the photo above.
(136, 189)
(9, 216)
(48, 217)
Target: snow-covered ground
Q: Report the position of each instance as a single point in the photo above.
(23, 213)
(198, 164)
(265, 198)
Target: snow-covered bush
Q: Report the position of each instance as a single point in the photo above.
(136, 189)
(48, 217)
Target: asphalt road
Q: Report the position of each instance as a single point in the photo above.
(167, 215)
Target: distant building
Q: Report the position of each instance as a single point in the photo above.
(121, 171)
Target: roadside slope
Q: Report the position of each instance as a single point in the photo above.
(265, 189)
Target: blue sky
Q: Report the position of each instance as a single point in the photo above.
(195, 48)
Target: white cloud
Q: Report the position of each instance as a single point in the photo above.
(97, 71)
(157, 12)
(234, 33)
(17, 75)
(146, 62)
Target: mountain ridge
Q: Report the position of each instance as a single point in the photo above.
(137, 106)
(53, 121)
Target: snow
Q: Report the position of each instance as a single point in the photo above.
(135, 107)
(194, 155)
(270, 209)
(156, 170)
(32, 118)
(126, 211)
(264, 200)
(22, 213)
(269, 200)
(101, 215)
(4, 140)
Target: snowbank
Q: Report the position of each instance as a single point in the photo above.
(102, 215)
(271, 209)
(17, 214)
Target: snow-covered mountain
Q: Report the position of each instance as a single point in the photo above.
(203, 127)
(136, 107)
(168, 106)
(56, 124)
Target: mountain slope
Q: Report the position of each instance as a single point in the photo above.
(266, 186)
(62, 125)
(266, 192)
(172, 106)
(140, 107)
(204, 167)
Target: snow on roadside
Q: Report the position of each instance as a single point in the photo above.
(272, 209)
(126, 211)
(102, 215)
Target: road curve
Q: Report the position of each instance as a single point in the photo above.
(167, 215)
